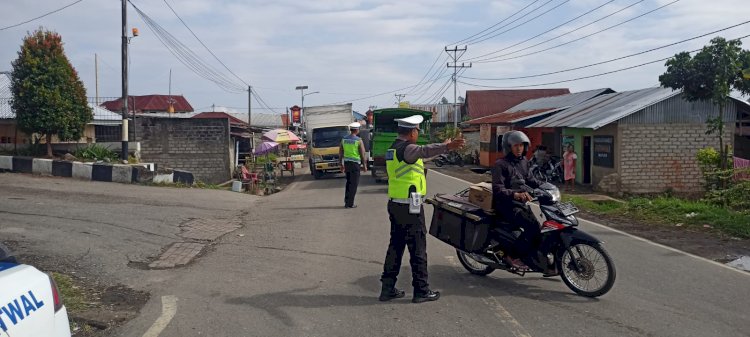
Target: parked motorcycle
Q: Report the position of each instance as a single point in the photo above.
(450, 158)
(481, 240)
(549, 171)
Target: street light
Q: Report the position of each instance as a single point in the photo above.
(302, 88)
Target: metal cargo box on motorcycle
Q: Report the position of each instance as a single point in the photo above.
(459, 223)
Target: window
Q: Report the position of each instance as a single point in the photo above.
(108, 133)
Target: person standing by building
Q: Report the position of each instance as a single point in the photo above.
(407, 186)
(569, 165)
(353, 159)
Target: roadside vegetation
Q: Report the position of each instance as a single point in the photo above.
(673, 211)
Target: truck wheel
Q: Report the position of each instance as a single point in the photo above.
(317, 174)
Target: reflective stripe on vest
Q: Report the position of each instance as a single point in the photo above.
(402, 176)
(351, 150)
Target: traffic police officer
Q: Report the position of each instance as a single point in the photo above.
(352, 153)
(407, 185)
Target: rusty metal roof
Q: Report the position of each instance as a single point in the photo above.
(482, 103)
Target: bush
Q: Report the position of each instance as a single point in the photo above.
(735, 197)
(96, 152)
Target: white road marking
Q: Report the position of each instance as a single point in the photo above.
(168, 310)
(642, 239)
(498, 309)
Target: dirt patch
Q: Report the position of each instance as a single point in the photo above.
(99, 306)
(707, 243)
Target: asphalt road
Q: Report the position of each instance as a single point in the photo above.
(302, 265)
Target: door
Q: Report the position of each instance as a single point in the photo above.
(587, 160)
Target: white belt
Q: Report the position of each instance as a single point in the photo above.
(401, 201)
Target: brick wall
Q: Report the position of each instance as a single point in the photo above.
(660, 157)
(200, 146)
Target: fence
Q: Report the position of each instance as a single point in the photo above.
(741, 168)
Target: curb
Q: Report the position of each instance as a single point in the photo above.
(117, 173)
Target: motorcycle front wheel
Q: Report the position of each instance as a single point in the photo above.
(438, 163)
(460, 162)
(473, 266)
(589, 271)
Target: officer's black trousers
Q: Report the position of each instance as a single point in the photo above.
(407, 230)
(352, 181)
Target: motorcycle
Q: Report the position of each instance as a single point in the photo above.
(450, 158)
(481, 239)
(549, 171)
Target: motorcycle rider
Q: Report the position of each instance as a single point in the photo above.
(511, 168)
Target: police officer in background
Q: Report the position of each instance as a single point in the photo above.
(352, 154)
(407, 185)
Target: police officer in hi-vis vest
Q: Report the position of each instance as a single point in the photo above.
(352, 153)
(407, 186)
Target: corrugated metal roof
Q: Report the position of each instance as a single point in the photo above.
(441, 113)
(539, 106)
(602, 110)
(482, 103)
(560, 101)
(151, 103)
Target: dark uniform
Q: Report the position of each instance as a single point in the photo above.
(406, 175)
(352, 153)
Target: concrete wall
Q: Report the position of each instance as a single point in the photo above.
(660, 157)
(598, 173)
(200, 146)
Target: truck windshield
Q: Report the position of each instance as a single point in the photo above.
(329, 137)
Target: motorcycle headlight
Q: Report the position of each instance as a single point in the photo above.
(555, 195)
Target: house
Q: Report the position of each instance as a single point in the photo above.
(640, 141)
(517, 117)
(105, 126)
(148, 104)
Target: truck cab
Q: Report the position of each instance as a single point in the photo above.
(385, 131)
(324, 150)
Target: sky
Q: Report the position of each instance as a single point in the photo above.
(352, 50)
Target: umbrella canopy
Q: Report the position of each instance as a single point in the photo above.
(266, 147)
(281, 136)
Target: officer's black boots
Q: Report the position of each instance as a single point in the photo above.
(389, 293)
(425, 297)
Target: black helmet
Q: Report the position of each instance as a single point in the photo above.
(513, 138)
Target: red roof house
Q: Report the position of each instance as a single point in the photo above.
(151, 104)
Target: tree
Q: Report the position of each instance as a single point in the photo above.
(444, 101)
(461, 100)
(48, 97)
(710, 75)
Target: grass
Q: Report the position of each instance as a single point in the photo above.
(668, 210)
(72, 295)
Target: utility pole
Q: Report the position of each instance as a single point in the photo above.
(249, 105)
(124, 149)
(455, 67)
(399, 97)
(96, 77)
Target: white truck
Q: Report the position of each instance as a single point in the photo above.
(326, 125)
(30, 304)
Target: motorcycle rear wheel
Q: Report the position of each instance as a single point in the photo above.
(593, 261)
(472, 265)
(438, 163)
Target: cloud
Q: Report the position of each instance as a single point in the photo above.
(351, 49)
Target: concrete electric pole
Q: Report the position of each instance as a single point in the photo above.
(455, 67)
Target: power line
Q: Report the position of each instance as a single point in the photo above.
(382, 93)
(521, 24)
(432, 82)
(501, 21)
(426, 74)
(547, 31)
(610, 60)
(188, 57)
(204, 45)
(499, 57)
(508, 24)
(584, 77)
(41, 16)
